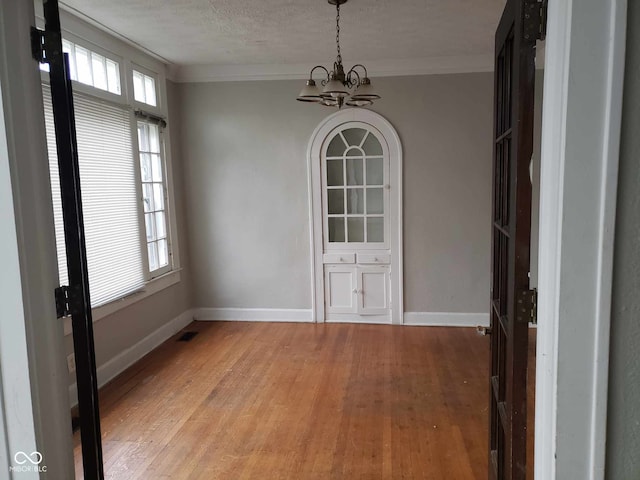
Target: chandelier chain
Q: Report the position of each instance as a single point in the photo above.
(339, 58)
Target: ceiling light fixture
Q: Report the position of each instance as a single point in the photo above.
(337, 84)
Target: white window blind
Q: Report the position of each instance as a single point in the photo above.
(109, 197)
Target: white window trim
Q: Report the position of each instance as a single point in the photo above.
(90, 89)
(172, 219)
(160, 107)
(82, 33)
(168, 207)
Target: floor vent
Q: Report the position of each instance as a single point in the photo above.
(187, 336)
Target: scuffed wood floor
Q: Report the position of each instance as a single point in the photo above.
(301, 401)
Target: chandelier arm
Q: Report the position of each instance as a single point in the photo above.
(351, 82)
(361, 66)
(322, 82)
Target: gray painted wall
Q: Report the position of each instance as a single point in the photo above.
(244, 150)
(623, 429)
(123, 329)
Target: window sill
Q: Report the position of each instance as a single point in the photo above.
(153, 286)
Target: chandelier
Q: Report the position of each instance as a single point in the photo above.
(338, 85)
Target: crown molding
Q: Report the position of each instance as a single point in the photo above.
(74, 12)
(379, 68)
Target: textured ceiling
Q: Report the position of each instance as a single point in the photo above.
(245, 32)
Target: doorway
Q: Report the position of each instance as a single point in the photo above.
(355, 180)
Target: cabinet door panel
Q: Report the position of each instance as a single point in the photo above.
(340, 287)
(374, 290)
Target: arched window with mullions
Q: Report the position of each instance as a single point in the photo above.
(355, 178)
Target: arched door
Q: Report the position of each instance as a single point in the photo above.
(356, 212)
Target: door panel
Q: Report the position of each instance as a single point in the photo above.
(340, 289)
(511, 298)
(73, 299)
(355, 189)
(373, 290)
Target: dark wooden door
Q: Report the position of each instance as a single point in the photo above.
(511, 297)
(74, 299)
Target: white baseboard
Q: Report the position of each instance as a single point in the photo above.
(446, 319)
(131, 355)
(254, 314)
(354, 318)
(441, 319)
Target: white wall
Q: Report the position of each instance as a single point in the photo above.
(244, 146)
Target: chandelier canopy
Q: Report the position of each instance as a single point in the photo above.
(338, 85)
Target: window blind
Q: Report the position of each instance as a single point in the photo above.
(109, 197)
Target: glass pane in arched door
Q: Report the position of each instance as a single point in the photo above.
(355, 189)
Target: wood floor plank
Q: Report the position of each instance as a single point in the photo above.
(301, 401)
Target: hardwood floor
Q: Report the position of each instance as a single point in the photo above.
(301, 401)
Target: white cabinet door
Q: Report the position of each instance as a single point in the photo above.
(340, 289)
(373, 290)
(357, 290)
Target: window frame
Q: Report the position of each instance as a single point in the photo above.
(160, 107)
(103, 53)
(129, 58)
(144, 243)
(86, 89)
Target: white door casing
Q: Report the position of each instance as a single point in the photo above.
(581, 124)
(376, 277)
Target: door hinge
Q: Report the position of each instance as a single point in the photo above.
(542, 30)
(535, 20)
(534, 306)
(43, 43)
(62, 300)
(527, 309)
(37, 45)
(67, 300)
